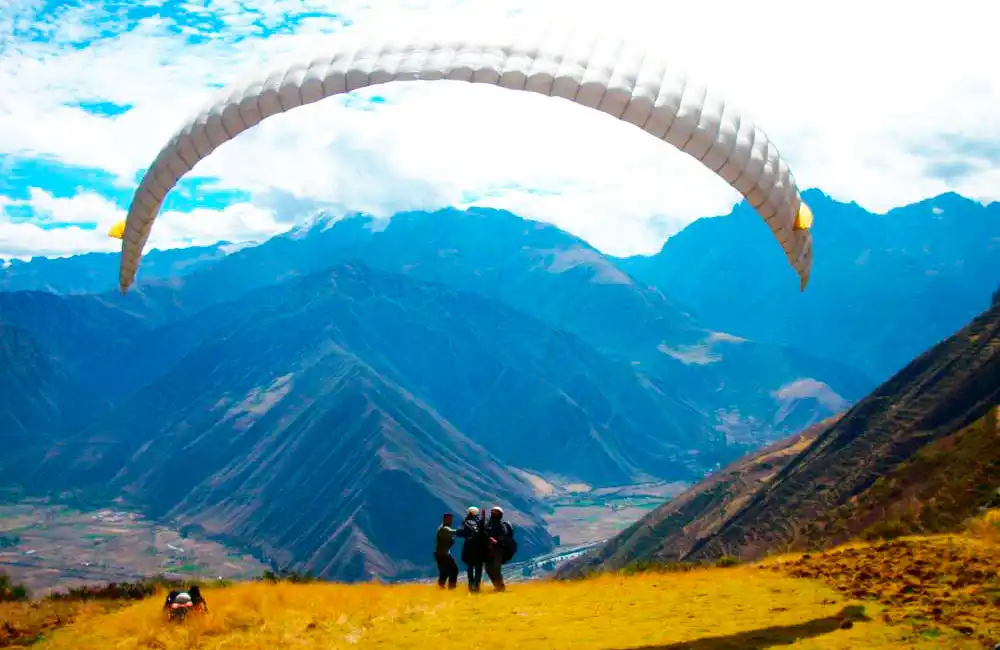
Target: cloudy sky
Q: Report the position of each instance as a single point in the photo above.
(881, 103)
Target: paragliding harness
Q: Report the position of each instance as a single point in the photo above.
(508, 548)
(181, 603)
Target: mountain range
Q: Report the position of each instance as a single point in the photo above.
(883, 287)
(89, 272)
(285, 396)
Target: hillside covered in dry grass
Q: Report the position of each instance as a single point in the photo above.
(920, 593)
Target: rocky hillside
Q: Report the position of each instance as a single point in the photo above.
(918, 454)
(672, 530)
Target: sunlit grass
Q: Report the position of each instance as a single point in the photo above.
(740, 607)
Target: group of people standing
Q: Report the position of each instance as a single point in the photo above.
(487, 543)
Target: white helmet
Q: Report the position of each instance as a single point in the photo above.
(473, 511)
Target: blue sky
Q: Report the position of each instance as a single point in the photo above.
(866, 106)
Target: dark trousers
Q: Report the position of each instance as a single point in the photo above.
(474, 571)
(494, 569)
(447, 570)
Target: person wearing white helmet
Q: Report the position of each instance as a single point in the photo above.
(179, 603)
(499, 535)
(473, 547)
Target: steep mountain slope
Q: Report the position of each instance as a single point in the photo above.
(320, 462)
(935, 490)
(669, 532)
(80, 331)
(98, 272)
(76, 340)
(859, 469)
(537, 398)
(37, 395)
(883, 288)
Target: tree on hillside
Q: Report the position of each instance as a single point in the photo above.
(996, 296)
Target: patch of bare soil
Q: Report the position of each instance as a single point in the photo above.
(932, 584)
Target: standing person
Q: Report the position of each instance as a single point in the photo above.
(497, 532)
(473, 547)
(447, 568)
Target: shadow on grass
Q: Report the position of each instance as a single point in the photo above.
(768, 637)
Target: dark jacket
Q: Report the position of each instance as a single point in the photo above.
(444, 540)
(495, 529)
(474, 541)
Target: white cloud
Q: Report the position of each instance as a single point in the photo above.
(82, 208)
(238, 222)
(865, 99)
(23, 239)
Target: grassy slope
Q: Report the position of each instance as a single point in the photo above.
(803, 603)
(934, 491)
(24, 623)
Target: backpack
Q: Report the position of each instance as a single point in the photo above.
(196, 597)
(509, 548)
(170, 598)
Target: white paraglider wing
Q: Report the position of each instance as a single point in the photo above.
(607, 74)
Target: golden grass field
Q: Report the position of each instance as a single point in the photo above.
(713, 609)
(935, 592)
(716, 609)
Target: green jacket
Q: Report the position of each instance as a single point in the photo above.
(445, 540)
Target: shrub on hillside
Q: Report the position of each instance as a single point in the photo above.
(137, 590)
(652, 566)
(656, 566)
(287, 575)
(10, 592)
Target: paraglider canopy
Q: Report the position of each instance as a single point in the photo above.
(599, 71)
